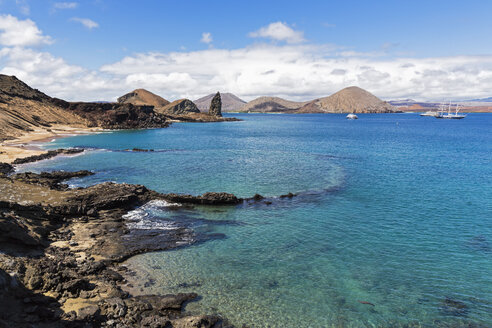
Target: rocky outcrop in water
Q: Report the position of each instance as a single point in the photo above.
(49, 154)
(51, 180)
(182, 110)
(209, 198)
(216, 105)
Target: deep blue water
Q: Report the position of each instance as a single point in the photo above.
(394, 209)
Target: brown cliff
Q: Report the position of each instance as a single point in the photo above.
(24, 109)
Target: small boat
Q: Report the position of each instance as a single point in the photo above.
(351, 117)
(430, 113)
(450, 115)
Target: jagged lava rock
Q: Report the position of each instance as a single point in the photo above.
(179, 107)
(216, 106)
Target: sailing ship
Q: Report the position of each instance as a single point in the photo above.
(450, 115)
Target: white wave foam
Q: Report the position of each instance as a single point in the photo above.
(140, 218)
(159, 203)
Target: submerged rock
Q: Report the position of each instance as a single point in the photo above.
(216, 105)
(480, 243)
(452, 307)
(289, 195)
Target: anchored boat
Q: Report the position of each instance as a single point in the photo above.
(450, 115)
(351, 117)
(430, 113)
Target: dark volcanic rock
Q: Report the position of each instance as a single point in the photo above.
(17, 236)
(107, 196)
(257, 197)
(50, 179)
(115, 115)
(12, 86)
(179, 107)
(23, 308)
(6, 168)
(216, 106)
(209, 198)
(47, 155)
(289, 195)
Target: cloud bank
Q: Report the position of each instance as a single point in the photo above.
(297, 71)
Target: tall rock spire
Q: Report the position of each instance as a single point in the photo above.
(216, 105)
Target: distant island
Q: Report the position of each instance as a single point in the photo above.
(474, 106)
(349, 100)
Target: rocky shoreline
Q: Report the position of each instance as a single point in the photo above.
(60, 250)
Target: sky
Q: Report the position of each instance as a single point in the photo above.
(97, 50)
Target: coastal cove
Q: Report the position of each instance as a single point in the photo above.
(390, 226)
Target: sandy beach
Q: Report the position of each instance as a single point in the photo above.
(29, 143)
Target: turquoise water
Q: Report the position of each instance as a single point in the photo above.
(394, 209)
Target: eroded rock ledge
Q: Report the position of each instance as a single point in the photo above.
(61, 248)
(47, 155)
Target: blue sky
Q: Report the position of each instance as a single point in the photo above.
(98, 45)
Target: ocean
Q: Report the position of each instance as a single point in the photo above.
(391, 225)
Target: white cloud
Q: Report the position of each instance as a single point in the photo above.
(65, 5)
(15, 32)
(206, 38)
(280, 32)
(293, 71)
(304, 72)
(89, 23)
(53, 75)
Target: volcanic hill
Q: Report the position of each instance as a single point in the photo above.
(271, 105)
(348, 100)
(143, 97)
(230, 102)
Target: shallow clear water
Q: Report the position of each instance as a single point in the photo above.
(395, 210)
